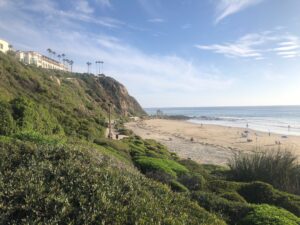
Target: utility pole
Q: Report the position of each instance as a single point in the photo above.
(109, 122)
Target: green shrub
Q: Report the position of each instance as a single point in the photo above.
(279, 168)
(269, 215)
(232, 196)
(221, 186)
(178, 187)
(230, 211)
(194, 167)
(62, 185)
(7, 124)
(192, 182)
(148, 164)
(38, 138)
(258, 193)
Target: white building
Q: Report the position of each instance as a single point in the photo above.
(4, 46)
(35, 58)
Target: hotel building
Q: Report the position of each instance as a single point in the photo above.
(4, 46)
(35, 58)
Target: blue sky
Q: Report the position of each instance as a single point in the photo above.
(172, 52)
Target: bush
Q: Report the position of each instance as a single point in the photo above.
(178, 187)
(279, 168)
(38, 138)
(62, 185)
(192, 182)
(230, 211)
(233, 196)
(258, 193)
(7, 124)
(148, 164)
(269, 215)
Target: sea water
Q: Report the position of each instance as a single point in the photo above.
(274, 119)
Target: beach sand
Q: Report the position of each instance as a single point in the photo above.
(211, 144)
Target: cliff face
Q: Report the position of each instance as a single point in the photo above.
(56, 102)
(85, 93)
(117, 93)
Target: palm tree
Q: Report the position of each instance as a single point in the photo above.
(88, 64)
(59, 56)
(101, 63)
(63, 56)
(71, 64)
(97, 62)
(10, 47)
(54, 53)
(49, 51)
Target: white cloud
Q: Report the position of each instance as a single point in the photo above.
(226, 8)
(244, 47)
(258, 46)
(156, 20)
(104, 3)
(83, 6)
(186, 26)
(289, 48)
(143, 74)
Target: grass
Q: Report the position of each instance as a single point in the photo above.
(279, 168)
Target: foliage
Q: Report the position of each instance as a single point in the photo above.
(7, 124)
(40, 99)
(269, 215)
(232, 196)
(279, 168)
(258, 193)
(38, 138)
(149, 164)
(193, 182)
(230, 211)
(64, 185)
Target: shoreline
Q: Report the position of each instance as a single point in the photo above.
(212, 144)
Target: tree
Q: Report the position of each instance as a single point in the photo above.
(49, 51)
(59, 56)
(71, 64)
(101, 63)
(88, 64)
(54, 53)
(63, 56)
(10, 47)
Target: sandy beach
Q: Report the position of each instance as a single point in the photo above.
(211, 144)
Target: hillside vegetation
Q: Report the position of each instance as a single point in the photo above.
(56, 166)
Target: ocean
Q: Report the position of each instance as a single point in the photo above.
(283, 120)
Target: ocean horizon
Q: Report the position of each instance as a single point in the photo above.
(283, 120)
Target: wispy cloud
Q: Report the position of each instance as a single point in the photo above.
(225, 8)
(156, 20)
(186, 26)
(81, 11)
(244, 47)
(104, 3)
(145, 75)
(290, 48)
(83, 6)
(258, 46)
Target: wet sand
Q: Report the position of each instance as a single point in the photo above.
(211, 144)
